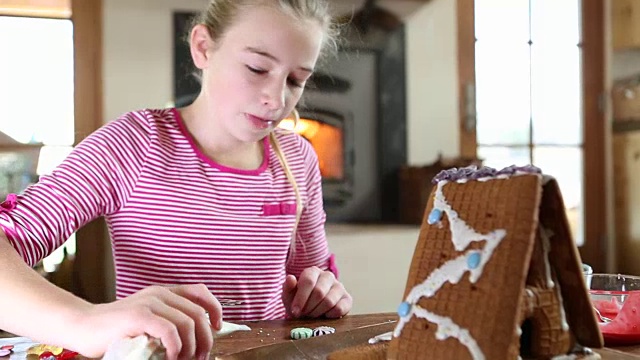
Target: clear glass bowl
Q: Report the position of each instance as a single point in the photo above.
(616, 302)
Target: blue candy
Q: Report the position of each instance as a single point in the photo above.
(473, 260)
(404, 309)
(434, 216)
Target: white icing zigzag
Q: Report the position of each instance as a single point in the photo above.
(545, 236)
(452, 271)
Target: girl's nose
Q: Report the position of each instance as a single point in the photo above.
(273, 96)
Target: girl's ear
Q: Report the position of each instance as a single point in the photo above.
(200, 43)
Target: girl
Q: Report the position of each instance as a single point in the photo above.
(205, 202)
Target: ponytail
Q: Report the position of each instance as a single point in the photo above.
(287, 170)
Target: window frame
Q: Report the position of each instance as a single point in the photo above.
(90, 273)
(594, 122)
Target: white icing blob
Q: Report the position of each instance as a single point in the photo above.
(565, 357)
(382, 337)
(545, 235)
(563, 315)
(228, 328)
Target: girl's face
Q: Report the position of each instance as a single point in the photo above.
(254, 75)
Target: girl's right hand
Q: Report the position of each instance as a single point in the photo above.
(175, 315)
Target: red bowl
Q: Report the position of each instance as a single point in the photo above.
(616, 301)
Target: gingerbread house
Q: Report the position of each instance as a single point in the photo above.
(495, 274)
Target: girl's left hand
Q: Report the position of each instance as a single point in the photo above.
(315, 293)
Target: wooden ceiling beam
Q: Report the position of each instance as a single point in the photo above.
(60, 9)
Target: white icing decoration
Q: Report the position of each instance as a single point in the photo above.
(545, 235)
(563, 315)
(529, 292)
(447, 328)
(228, 328)
(382, 337)
(452, 271)
(565, 357)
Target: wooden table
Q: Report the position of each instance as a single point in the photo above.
(235, 346)
(277, 334)
(252, 344)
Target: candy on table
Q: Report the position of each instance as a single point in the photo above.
(323, 330)
(47, 355)
(6, 350)
(51, 352)
(64, 355)
(301, 333)
(40, 349)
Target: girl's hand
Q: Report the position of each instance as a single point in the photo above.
(314, 294)
(175, 315)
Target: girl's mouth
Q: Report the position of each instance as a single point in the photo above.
(260, 123)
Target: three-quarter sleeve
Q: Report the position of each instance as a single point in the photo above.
(92, 181)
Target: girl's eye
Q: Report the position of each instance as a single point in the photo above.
(294, 82)
(256, 70)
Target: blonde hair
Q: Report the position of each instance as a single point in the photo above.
(292, 180)
(220, 14)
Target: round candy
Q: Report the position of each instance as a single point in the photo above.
(47, 355)
(6, 347)
(404, 309)
(434, 216)
(66, 355)
(4, 352)
(301, 333)
(38, 349)
(323, 330)
(473, 260)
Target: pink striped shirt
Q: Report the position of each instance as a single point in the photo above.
(177, 217)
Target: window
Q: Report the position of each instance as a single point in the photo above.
(37, 102)
(529, 91)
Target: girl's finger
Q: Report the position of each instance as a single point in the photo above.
(160, 328)
(323, 286)
(332, 298)
(185, 326)
(200, 294)
(202, 327)
(342, 307)
(306, 284)
(289, 292)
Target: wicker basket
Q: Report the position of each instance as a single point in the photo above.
(415, 186)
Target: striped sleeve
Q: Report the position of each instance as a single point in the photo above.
(94, 180)
(311, 242)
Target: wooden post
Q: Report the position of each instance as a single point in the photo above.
(92, 248)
